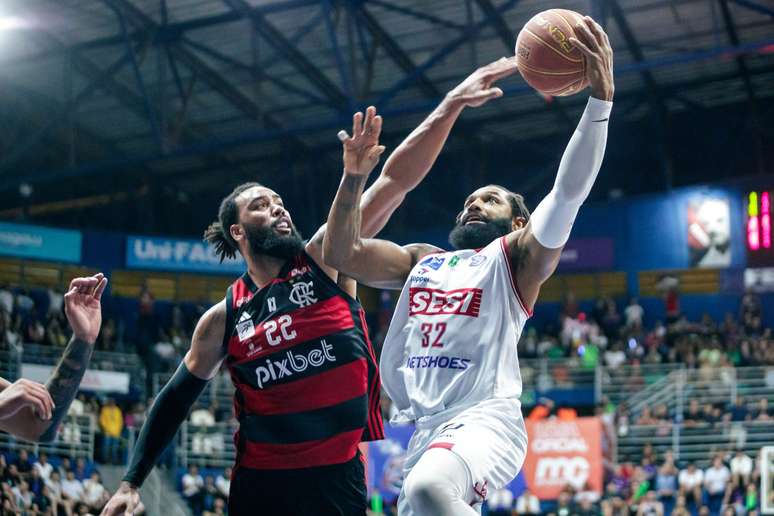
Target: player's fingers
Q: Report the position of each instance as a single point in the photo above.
(375, 152)
(586, 51)
(40, 393)
(342, 136)
(505, 67)
(100, 288)
(588, 30)
(36, 404)
(369, 120)
(357, 124)
(376, 127)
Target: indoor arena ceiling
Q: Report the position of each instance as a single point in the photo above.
(186, 91)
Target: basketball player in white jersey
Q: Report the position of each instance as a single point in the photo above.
(449, 361)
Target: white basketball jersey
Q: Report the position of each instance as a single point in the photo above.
(453, 336)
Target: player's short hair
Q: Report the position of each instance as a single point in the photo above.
(217, 234)
(518, 206)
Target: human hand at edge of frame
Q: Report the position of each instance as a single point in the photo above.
(476, 90)
(362, 149)
(596, 50)
(124, 502)
(83, 308)
(25, 393)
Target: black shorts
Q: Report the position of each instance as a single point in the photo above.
(337, 490)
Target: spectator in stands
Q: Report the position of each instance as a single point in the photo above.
(716, 480)
(223, 483)
(209, 493)
(107, 337)
(43, 466)
(111, 423)
(58, 498)
(35, 482)
(192, 489)
(7, 300)
(146, 322)
(23, 496)
(739, 411)
(614, 503)
(80, 469)
(693, 416)
(633, 314)
(564, 504)
(23, 464)
(710, 414)
(43, 502)
(741, 469)
(666, 484)
(615, 355)
(586, 494)
(94, 493)
(690, 481)
(646, 418)
(206, 439)
(527, 504)
(72, 488)
(762, 411)
(54, 334)
(219, 510)
(650, 505)
(500, 502)
(681, 507)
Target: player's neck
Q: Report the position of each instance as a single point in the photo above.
(263, 268)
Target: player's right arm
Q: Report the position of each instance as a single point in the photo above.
(374, 262)
(172, 406)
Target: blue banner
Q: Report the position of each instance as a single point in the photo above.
(38, 242)
(170, 254)
(387, 457)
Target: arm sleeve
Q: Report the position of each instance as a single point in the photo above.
(553, 218)
(170, 409)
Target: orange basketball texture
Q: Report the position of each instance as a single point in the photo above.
(546, 58)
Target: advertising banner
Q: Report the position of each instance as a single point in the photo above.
(93, 380)
(185, 255)
(38, 242)
(588, 254)
(563, 453)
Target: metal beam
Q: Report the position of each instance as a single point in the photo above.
(754, 6)
(441, 54)
(435, 20)
(728, 21)
(279, 42)
(396, 53)
(214, 145)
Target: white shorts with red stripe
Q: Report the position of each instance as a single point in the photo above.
(490, 438)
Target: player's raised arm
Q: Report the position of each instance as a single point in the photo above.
(172, 406)
(537, 248)
(408, 165)
(32, 411)
(373, 262)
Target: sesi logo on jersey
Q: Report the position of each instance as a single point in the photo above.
(430, 301)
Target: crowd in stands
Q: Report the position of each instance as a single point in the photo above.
(35, 486)
(206, 495)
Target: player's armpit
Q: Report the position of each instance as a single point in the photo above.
(531, 263)
(206, 354)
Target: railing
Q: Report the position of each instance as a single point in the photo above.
(556, 373)
(102, 360)
(210, 446)
(74, 439)
(696, 443)
(10, 364)
(632, 383)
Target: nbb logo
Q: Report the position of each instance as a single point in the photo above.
(560, 471)
(430, 301)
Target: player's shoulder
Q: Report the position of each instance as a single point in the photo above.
(419, 251)
(214, 318)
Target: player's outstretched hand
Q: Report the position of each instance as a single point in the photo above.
(125, 502)
(477, 89)
(595, 47)
(362, 149)
(25, 393)
(82, 306)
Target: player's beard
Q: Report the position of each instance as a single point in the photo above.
(266, 241)
(476, 236)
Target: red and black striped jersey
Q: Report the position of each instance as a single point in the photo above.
(306, 377)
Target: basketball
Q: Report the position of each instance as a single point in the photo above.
(546, 58)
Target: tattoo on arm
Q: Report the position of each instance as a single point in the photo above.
(63, 384)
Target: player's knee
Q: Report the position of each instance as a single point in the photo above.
(427, 495)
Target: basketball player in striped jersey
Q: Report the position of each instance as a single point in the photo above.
(295, 342)
(449, 360)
